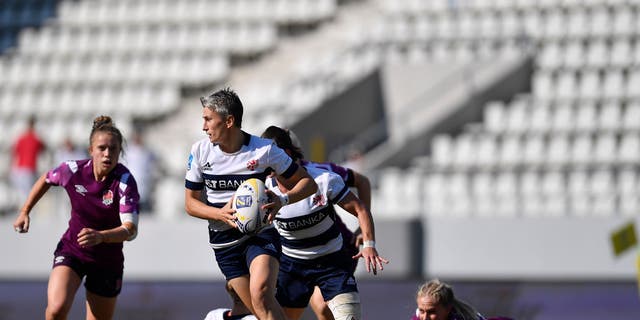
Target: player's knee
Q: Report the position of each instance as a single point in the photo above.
(345, 306)
(57, 311)
(261, 297)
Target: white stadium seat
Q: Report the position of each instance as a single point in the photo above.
(574, 55)
(605, 148)
(566, 86)
(540, 117)
(586, 117)
(534, 149)
(614, 84)
(577, 23)
(597, 54)
(590, 87)
(510, 151)
(631, 116)
(558, 150)
(610, 116)
(582, 149)
(621, 53)
(629, 150)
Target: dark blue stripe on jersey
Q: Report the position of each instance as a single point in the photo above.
(229, 182)
(224, 236)
(193, 185)
(290, 171)
(306, 221)
(341, 194)
(318, 240)
(351, 178)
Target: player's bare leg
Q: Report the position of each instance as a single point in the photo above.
(62, 287)
(241, 286)
(264, 274)
(319, 306)
(99, 307)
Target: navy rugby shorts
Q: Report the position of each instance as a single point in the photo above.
(234, 261)
(297, 278)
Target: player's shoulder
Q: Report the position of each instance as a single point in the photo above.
(74, 165)
(329, 166)
(258, 142)
(122, 172)
(322, 175)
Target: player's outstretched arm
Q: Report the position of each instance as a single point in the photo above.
(373, 261)
(363, 186)
(40, 187)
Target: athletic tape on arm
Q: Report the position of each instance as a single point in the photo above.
(132, 218)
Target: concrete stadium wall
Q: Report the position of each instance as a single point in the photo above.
(343, 117)
(424, 100)
(475, 249)
(175, 250)
(545, 248)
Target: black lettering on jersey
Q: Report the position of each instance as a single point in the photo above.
(229, 182)
(306, 221)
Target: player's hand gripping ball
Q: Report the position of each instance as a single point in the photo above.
(248, 201)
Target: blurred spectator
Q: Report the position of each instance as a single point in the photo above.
(143, 164)
(24, 163)
(68, 151)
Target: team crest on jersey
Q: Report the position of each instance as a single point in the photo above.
(252, 164)
(319, 200)
(107, 198)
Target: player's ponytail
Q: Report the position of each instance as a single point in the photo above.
(282, 139)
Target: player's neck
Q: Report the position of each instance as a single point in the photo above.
(234, 142)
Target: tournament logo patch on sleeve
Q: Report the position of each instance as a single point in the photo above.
(189, 161)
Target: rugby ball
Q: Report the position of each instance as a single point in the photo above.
(248, 199)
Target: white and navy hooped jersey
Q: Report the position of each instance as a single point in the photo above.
(307, 228)
(221, 173)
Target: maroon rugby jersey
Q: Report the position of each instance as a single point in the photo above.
(96, 205)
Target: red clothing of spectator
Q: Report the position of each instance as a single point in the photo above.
(26, 150)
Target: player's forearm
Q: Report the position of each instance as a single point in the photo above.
(366, 225)
(39, 188)
(198, 209)
(118, 234)
(304, 188)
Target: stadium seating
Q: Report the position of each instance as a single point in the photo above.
(578, 125)
(574, 136)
